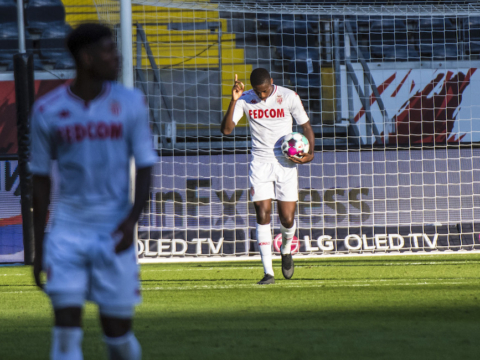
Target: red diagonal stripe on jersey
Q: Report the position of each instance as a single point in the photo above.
(381, 89)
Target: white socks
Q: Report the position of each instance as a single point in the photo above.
(125, 347)
(264, 241)
(66, 343)
(287, 238)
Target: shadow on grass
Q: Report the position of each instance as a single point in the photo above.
(435, 333)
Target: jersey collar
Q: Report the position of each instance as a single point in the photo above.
(273, 92)
(103, 93)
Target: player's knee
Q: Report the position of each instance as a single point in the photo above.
(116, 320)
(67, 308)
(287, 221)
(68, 317)
(263, 215)
(115, 327)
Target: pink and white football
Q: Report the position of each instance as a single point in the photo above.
(295, 145)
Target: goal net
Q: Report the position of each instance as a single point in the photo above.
(392, 96)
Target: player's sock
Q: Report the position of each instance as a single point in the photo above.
(264, 241)
(67, 343)
(125, 347)
(287, 238)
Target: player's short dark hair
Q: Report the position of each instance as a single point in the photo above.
(84, 35)
(259, 76)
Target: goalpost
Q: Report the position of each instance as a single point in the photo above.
(391, 94)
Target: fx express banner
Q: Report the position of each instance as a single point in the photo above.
(425, 103)
(11, 242)
(349, 201)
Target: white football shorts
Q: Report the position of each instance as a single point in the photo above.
(82, 260)
(273, 181)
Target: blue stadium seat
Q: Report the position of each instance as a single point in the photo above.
(8, 11)
(52, 42)
(472, 34)
(37, 64)
(304, 73)
(9, 41)
(437, 38)
(290, 45)
(41, 14)
(389, 39)
(272, 21)
(64, 63)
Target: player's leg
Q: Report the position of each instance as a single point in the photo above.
(67, 333)
(65, 265)
(286, 212)
(115, 288)
(261, 177)
(118, 335)
(263, 210)
(286, 189)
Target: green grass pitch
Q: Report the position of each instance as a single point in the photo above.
(410, 307)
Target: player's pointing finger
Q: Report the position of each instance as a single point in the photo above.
(236, 77)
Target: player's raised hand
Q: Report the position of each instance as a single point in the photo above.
(238, 88)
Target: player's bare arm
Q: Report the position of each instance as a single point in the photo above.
(126, 228)
(227, 123)
(41, 200)
(308, 132)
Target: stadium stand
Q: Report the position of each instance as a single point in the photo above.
(437, 38)
(390, 41)
(8, 11)
(41, 14)
(9, 42)
(37, 64)
(52, 43)
(471, 35)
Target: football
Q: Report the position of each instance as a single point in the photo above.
(295, 144)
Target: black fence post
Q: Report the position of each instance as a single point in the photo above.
(24, 96)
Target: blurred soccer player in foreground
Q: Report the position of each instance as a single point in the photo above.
(91, 128)
(269, 109)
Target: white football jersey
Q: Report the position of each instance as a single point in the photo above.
(92, 143)
(270, 120)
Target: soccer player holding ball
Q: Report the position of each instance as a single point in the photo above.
(269, 109)
(92, 128)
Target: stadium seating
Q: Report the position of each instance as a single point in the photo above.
(273, 21)
(52, 42)
(41, 14)
(37, 64)
(437, 38)
(292, 45)
(9, 42)
(64, 63)
(304, 73)
(8, 11)
(471, 31)
(390, 41)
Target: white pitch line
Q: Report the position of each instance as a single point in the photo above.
(290, 285)
(12, 274)
(314, 266)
